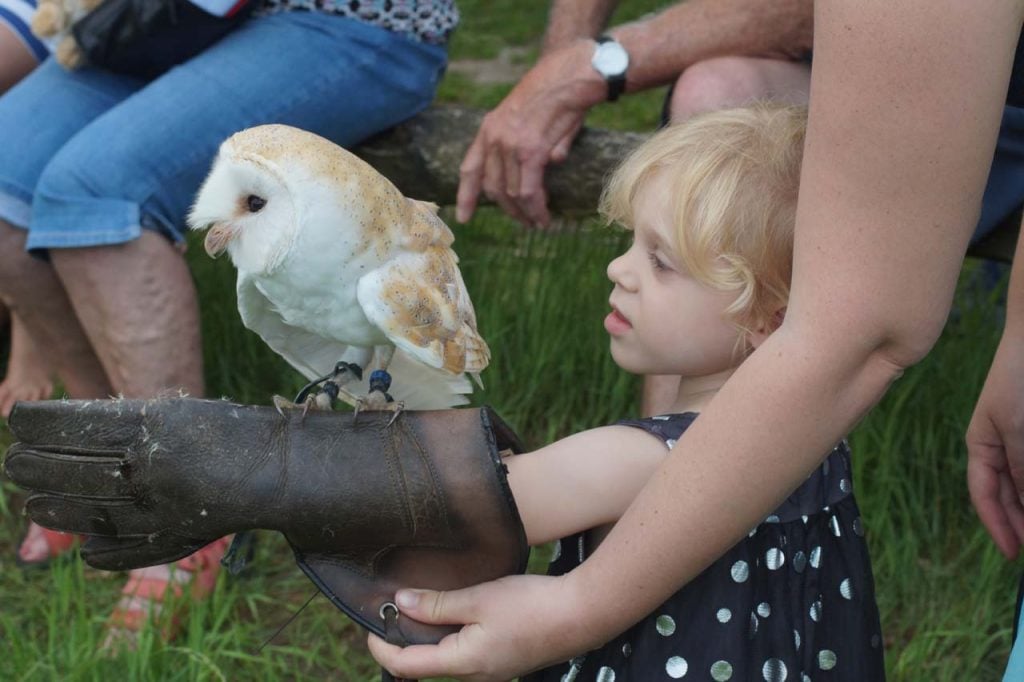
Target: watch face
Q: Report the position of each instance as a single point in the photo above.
(610, 59)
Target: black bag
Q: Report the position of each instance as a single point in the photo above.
(145, 38)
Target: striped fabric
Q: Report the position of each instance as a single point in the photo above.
(17, 14)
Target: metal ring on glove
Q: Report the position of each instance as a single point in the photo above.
(385, 606)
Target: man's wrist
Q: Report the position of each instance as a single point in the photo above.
(580, 81)
(611, 61)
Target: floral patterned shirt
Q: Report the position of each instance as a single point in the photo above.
(429, 21)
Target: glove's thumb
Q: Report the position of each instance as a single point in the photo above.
(122, 554)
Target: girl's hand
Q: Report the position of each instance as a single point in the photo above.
(512, 626)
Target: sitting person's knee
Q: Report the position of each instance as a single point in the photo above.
(717, 83)
(725, 82)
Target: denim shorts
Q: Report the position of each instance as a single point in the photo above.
(90, 158)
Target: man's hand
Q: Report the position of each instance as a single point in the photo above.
(534, 125)
(995, 448)
(512, 626)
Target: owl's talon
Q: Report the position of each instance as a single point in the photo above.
(398, 407)
(280, 403)
(311, 402)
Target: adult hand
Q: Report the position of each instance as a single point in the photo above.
(512, 625)
(534, 125)
(995, 448)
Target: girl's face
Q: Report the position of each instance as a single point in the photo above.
(663, 321)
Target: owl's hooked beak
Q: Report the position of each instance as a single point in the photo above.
(217, 238)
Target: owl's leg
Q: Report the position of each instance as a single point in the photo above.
(330, 386)
(380, 383)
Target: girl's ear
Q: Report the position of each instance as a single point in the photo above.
(765, 329)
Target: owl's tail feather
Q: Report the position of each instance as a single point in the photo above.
(477, 354)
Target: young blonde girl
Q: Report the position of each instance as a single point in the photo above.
(711, 204)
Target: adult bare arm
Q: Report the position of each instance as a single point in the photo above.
(536, 123)
(538, 120)
(995, 436)
(570, 20)
(893, 175)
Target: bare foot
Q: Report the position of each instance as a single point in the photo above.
(41, 544)
(141, 602)
(28, 373)
(145, 595)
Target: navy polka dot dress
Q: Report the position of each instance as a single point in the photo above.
(793, 601)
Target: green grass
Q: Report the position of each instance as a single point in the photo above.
(946, 596)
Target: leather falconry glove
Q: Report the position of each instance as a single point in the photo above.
(367, 507)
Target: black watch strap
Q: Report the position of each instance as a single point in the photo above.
(616, 84)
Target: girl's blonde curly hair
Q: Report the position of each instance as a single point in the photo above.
(735, 174)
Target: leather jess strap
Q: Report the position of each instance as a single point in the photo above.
(392, 635)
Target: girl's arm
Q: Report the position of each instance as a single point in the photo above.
(583, 481)
(906, 101)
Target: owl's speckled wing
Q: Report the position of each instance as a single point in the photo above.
(418, 299)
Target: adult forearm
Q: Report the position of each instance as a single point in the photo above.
(570, 20)
(761, 436)
(888, 198)
(663, 46)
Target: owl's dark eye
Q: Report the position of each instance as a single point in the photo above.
(255, 203)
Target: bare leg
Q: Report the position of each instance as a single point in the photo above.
(15, 59)
(28, 373)
(28, 377)
(32, 291)
(138, 306)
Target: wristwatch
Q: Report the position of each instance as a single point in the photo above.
(611, 61)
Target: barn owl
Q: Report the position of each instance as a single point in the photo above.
(338, 271)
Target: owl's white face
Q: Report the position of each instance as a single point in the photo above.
(248, 209)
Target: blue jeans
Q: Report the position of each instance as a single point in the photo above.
(1015, 667)
(91, 158)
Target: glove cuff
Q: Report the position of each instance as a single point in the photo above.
(465, 527)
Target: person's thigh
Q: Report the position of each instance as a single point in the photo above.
(1004, 192)
(140, 164)
(38, 116)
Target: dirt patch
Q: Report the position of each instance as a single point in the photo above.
(508, 67)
